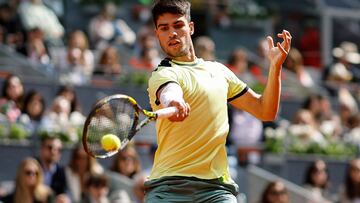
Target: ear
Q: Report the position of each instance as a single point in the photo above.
(156, 33)
(192, 28)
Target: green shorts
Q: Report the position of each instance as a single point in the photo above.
(189, 189)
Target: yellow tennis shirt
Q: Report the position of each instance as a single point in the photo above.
(195, 147)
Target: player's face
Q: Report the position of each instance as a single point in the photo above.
(174, 34)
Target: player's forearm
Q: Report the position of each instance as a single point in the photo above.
(171, 92)
(271, 95)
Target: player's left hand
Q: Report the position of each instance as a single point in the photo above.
(277, 54)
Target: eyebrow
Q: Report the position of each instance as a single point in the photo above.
(165, 24)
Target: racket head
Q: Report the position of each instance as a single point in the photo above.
(117, 115)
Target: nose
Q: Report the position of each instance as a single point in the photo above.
(173, 33)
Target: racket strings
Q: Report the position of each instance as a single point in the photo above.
(116, 117)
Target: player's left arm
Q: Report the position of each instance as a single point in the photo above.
(265, 107)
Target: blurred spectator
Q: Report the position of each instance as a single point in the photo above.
(80, 167)
(238, 61)
(127, 162)
(105, 29)
(35, 48)
(275, 192)
(34, 14)
(348, 56)
(96, 189)
(222, 17)
(146, 41)
(259, 69)
(76, 118)
(122, 173)
(317, 181)
(205, 48)
(145, 36)
(246, 134)
(305, 117)
(294, 64)
(350, 191)
(348, 107)
(49, 157)
(330, 123)
(138, 188)
(305, 127)
(12, 97)
(69, 93)
(124, 168)
(33, 110)
(62, 198)
(77, 61)
(120, 196)
(141, 11)
(57, 118)
(149, 59)
(353, 130)
(109, 63)
(325, 119)
(10, 26)
(29, 185)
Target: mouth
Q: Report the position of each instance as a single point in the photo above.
(173, 43)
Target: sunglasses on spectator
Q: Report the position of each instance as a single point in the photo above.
(31, 173)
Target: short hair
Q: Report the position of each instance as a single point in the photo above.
(97, 180)
(181, 7)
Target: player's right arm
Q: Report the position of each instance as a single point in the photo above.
(172, 95)
(165, 91)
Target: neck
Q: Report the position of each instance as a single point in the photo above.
(47, 165)
(189, 57)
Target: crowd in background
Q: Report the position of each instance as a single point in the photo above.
(83, 179)
(111, 48)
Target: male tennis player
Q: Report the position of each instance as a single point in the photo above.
(191, 163)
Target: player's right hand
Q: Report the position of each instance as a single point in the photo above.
(183, 111)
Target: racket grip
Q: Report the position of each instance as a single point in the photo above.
(166, 112)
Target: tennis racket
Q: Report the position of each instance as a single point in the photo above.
(118, 115)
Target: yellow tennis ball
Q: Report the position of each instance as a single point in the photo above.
(110, 142)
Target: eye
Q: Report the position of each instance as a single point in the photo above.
(163, 28)
(178, 26)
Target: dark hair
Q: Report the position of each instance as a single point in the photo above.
(28, 98)
(181, 7)
(268, 189)
(6, 86)
(74, 103)
(350, 186)
(121, 155)
(97, 180)
(310, 171)
(48, 137)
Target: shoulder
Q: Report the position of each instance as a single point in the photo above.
(8, 198)
(165, 69)
(163, 64)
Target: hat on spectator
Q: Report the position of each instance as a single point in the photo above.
(348, 51)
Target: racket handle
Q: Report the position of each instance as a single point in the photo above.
(166, 112)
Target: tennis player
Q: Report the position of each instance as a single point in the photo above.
(190, 163)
